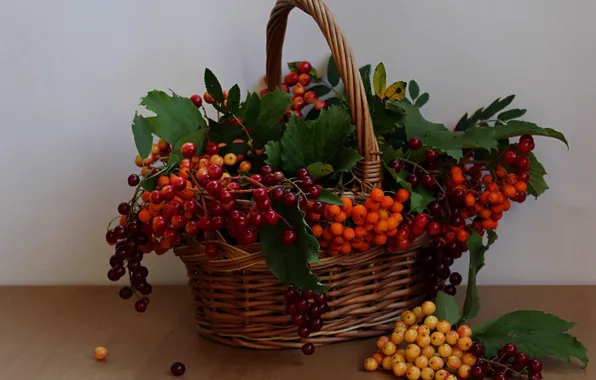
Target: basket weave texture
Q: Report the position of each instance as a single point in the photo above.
(238, 300)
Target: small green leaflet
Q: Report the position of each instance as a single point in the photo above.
(306, 142)
(413, 89)
(320, 90)
(253, 108)
(273, 106)
(141, 131)
(332, 73)
(223, 133)
(477, 251)
(534, 332)
(511, 114)
(197, 138)
(273, 152)
(419, 199)
(213, 87)
(328, 197)
(236, 148)
(233, 102)
(537, 185)
(447, 308)
(422, 100)
(390, 154)
(150, 183)
(290, 263)
(518, 128)
(319, 169)
(483, 113)
(176, 116)
(380, 80)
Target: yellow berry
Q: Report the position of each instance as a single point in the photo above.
(452, 337)
(399, 369)
(431, 322)
(428, 351)
(378, 357)
(397, 337)
(400, 326)
(427, 374)
(410, 336)
(204, 163)
(429, 308)
(469, 359)
(419, 313)
(398, 358)
(423, 340)
(445, 350)
(412, 351)
(370, 364)
(381, 341)
(464, 330)
(245, 166)
(389, 348)
(437, 338)
(464, 343)
(216, 159)
(414, 327)
(409, 318)
(457, 352)
(424, 329)
(453, 362)
(441, 374)
(451, 377)
(100, 353)
(464, 371)
(443, 326)
(436, 363)
(387, 364)
(413, 373)
(421, 362)
(230, 159)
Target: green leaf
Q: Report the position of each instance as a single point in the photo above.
(319, 169)
(536, 333)
(537, 185)
(141, 131)
(447, 308)
(253, 108)
(334, 102)
(293, 66)
(314, 75)
(511, 114)
(223, 133)
(290, 263)
(462, 124)
(213, 87)
(365, 75)
(236, 148)
(328, 197)
(197, 138)
(477, 251)
(496, 106)
(413, 89)
(320, 90)
(233, 101)
(380, 80)
(150, 183)
(419, 199)
(518, 128)
(332, 72)
(273, 152)
(306, 142)
(422, 100)
(273, 106)
(176, 116)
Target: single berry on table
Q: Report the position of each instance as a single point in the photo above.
(100, 353)
(177, 369)
(308, 349)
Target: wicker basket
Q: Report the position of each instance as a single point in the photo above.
(240, 303)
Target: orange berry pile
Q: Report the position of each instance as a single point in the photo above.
(424, 347)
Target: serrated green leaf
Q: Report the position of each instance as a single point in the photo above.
(213, 86)
(150, 183)
(380, 80)
(511, 114)
(536, 185)
(365, 75)
(345, 159)
(273, 152)
(236, 148)
(272, 108)
(175, 116)
(253, 108)
(390, 154)
(314, 75)
(447, 308)
(332, 72)
(477, 251)
(328, 197)
(334, 102)
(496, 106)
(233, 101)
(422, 100)
(293, 66)
(419, 199)
(319, 169)
(414, 89)
(197, 138)
(518, 128)
(143, 137)
(462, 124)
(320, 90)
(290, 263)
(223, 133)
(536, 333)
(313, 114)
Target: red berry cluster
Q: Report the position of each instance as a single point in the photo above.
(306, 309)
(509, 363)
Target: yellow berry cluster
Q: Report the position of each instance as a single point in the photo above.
(424, 347)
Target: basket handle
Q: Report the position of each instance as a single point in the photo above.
(369, 170)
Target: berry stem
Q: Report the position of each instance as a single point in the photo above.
(426, 171)
(355, 177)
(243, 127)
(112, 221)
(501, 365)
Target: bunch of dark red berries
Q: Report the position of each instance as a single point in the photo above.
(507, 364)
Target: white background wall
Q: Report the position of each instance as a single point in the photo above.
(72, 73)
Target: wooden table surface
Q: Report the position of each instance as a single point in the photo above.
(49, 333)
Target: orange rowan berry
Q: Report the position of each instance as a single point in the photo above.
(323, 243)
(469, 359)
(359, 231)
(358, 212)
(485, 213)
(451, 337)
(347, 207)
(402, 195)
(465, 214)
(332, 211)
(484, 197)
(381, 226)
(470, 200)
(337, 229)
(455, 170)
(348, 234)
(450, 236)
(397, 207)
(327, 234)
(145, 196)
(346, 248)
(145, 216)
(392, 223)
(506, 205)
(521, 187)
(512, 179)
(356, 244)
(338, 240)
(341, 217)
(500, 171)
(387, 202)
(123, 220)
(489, 224)
(317, 230)
(496, 216)
(184, 172)
(372, 217)
(458, 179)
(497, 208)
(493, 197)
(462, 235)
(377, 195)
(370, 227)
(371, 205)
(392, 232)
(365, 247)
(493, 188)
(163, 180)
(380, 239)
(487, 179)
(383, 214)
